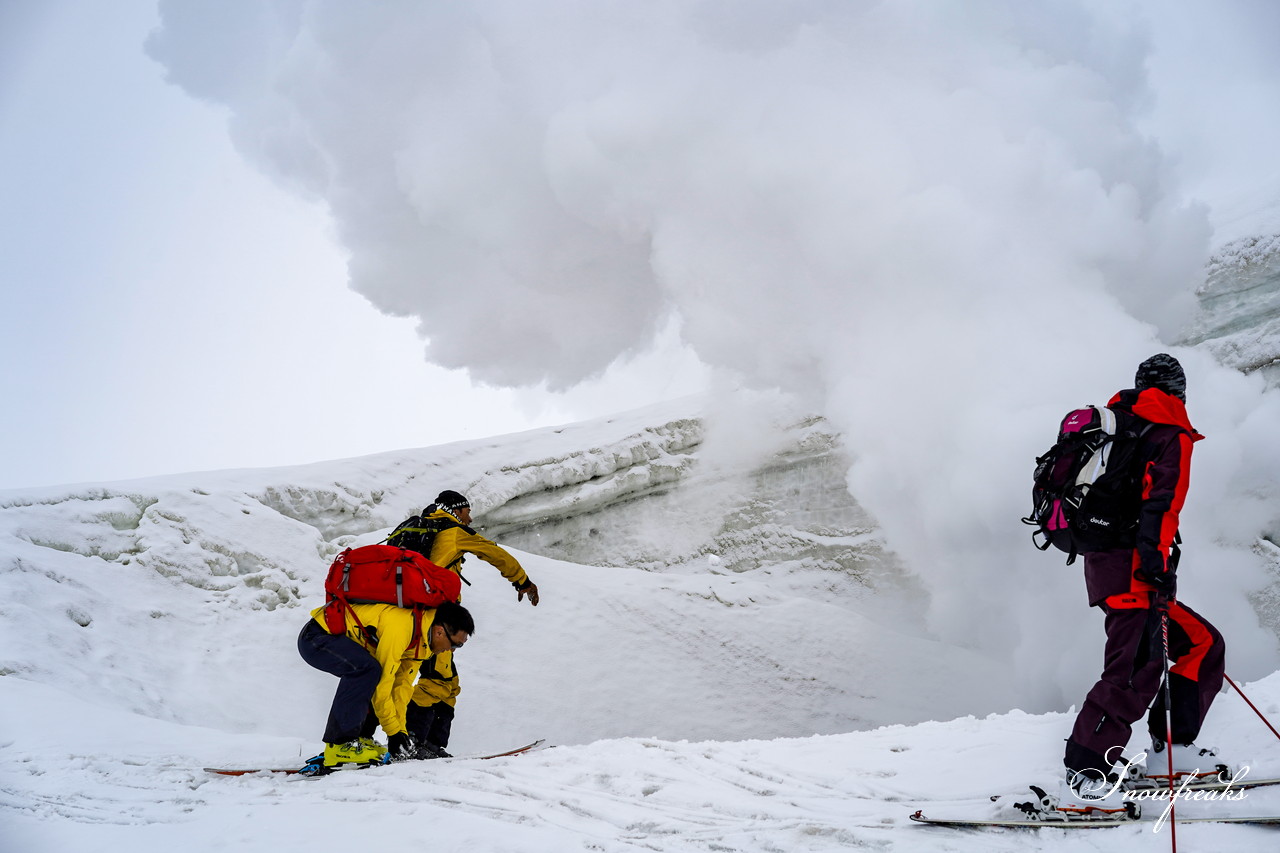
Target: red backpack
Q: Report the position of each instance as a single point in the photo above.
(385, 574)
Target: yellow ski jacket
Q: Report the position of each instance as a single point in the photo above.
(453, 543)
(393, 646)
(437, 681)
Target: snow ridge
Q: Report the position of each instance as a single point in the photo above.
(1239, 321)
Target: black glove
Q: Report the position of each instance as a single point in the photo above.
(528, 588)
(1165, 582)
(401, 747)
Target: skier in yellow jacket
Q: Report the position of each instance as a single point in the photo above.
(376, 661)
(443, 534)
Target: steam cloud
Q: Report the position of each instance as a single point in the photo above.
(936, 223)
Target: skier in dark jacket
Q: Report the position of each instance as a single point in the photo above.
(1133, 586)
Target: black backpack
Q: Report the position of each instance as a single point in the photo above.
(1087, 488)
(418, 532)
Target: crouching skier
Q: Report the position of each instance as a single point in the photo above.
(444, 534)
(376, 661)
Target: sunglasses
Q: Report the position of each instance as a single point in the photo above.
(454, 645)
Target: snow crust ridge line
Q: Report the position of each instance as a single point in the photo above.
(510, 493)
(586, 480)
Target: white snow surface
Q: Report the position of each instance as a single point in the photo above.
(712, 704)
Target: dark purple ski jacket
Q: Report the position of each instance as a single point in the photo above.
(1164, 452)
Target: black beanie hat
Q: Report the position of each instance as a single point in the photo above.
(449, 500)
(1164, 372)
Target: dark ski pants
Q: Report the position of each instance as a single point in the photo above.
(430, 723)
(358, 673)
(1132, 676)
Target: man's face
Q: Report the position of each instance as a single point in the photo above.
(464, 515)
(442, 640)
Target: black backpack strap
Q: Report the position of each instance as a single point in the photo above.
(412, 524)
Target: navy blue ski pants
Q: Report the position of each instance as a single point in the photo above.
(358, 673)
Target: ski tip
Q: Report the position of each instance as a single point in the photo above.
(541, 743)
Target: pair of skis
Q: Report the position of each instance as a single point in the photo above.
(245, 771)
(1044, 813)
(1037, 815)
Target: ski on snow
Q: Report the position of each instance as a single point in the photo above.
(1088, 823)
(1206, 784)
(1044, 812)
(520, 750)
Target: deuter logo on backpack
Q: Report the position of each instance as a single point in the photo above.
(1086, 490)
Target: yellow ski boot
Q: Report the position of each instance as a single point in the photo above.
(364, 752)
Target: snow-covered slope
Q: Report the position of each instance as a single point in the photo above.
(77, 776)
(205, 578)
(719, 637)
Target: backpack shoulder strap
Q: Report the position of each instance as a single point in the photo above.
(1108, 419)
(1131, 425)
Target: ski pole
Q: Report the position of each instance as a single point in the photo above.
(1251, 705)
(1168, 726)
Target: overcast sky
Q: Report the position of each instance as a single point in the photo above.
(167, 306)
